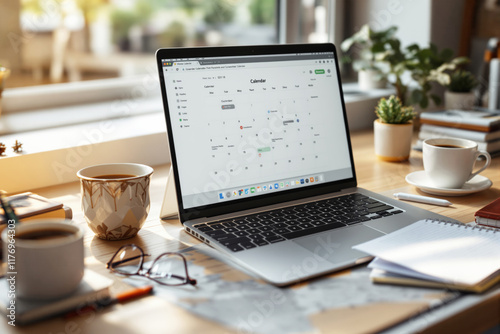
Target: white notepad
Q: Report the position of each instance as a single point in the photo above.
(449, 252)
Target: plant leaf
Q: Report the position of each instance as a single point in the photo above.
(433, 48)
(346, 59)
(424, 102)
(416, 96)
(378, 47)
(460, 60)
(391, 111)
(436, 99)
(446, 55)
(413, 47)
(346, 45)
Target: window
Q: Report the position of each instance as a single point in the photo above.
(70, 41)
(73, 40)
(311, 21)
(51, 41)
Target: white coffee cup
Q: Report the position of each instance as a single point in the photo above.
(45, 258)
(115, 198)
(449, 162)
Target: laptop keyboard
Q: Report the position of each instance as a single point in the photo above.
(273, 226)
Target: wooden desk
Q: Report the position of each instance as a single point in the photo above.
(152, 314)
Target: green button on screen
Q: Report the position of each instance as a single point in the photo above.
(319, 71)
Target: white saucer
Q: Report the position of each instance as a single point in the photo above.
(419, 179)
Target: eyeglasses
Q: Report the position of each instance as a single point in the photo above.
(167, 268)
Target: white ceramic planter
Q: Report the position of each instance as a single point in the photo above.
(368, 80)
(461, 101)
(392, 141)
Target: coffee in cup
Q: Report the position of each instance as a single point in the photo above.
(115, 198)
(45, 257)
(449, 162)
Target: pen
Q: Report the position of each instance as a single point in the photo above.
(119, 298)
(422, 199)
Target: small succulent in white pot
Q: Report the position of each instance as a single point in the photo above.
(393, 130)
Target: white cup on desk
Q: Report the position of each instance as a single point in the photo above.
(449, 162)
(45, 258)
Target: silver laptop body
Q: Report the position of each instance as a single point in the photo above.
(259, 133)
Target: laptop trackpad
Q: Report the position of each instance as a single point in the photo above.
(335, 246)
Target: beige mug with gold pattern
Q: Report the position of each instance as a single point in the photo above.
(115, 198)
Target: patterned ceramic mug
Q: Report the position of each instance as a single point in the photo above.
(115, 198)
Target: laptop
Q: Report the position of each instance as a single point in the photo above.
(262, 159)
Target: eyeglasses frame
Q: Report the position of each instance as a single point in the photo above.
(147, 273)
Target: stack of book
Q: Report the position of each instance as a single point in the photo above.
(481, 127)
(29, 206)
(489, 215)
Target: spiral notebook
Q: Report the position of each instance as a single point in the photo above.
(436, 253)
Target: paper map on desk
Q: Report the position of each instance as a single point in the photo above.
(347, 299)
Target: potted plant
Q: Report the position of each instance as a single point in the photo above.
(428, 65)
(459, 93)
(4, 73)
(369, 47)
(425, 65)
(393, 129)
(381, 58)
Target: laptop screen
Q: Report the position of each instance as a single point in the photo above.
(246, 126)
